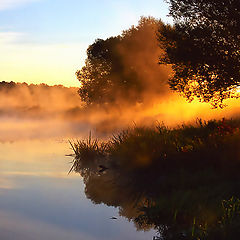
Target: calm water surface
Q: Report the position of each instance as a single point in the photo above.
(39, 200)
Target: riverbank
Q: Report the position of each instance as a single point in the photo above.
(173, 177)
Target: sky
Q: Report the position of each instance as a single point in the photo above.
(45, 41)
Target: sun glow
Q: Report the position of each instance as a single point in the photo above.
(52, 64)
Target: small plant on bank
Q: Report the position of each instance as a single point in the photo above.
(88, 153)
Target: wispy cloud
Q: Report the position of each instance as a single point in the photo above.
(10, 37)
(7, 4)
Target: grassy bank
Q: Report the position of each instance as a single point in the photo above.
(174, 179)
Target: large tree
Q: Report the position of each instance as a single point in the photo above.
(203, 48)
(123, 68)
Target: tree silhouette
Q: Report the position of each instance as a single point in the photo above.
(95, 76)
(121, 68)
(203, 48)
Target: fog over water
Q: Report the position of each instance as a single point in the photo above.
(38, 197)
(42, 112)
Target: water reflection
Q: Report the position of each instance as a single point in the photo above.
(39, 200)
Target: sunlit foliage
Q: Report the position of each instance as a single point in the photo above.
(203, 48)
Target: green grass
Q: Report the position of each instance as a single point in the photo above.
(170, 178)
(212, 144)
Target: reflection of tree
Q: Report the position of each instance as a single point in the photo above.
(172, 180)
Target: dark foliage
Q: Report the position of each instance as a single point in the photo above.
(95, 76)
(203, 48)
(174, 180)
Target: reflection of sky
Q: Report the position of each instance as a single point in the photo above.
(40, 201)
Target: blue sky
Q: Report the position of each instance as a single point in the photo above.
(45, 40)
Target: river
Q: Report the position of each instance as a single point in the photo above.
(40, 200)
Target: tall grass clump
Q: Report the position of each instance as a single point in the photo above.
(87, 154)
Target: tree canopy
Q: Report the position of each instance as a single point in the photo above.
(122, 68)
(203, 48)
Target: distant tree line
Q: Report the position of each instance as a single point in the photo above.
(9, 85)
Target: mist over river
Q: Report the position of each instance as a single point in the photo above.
(39, 199)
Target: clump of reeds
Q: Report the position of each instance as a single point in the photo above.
(88, 153)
